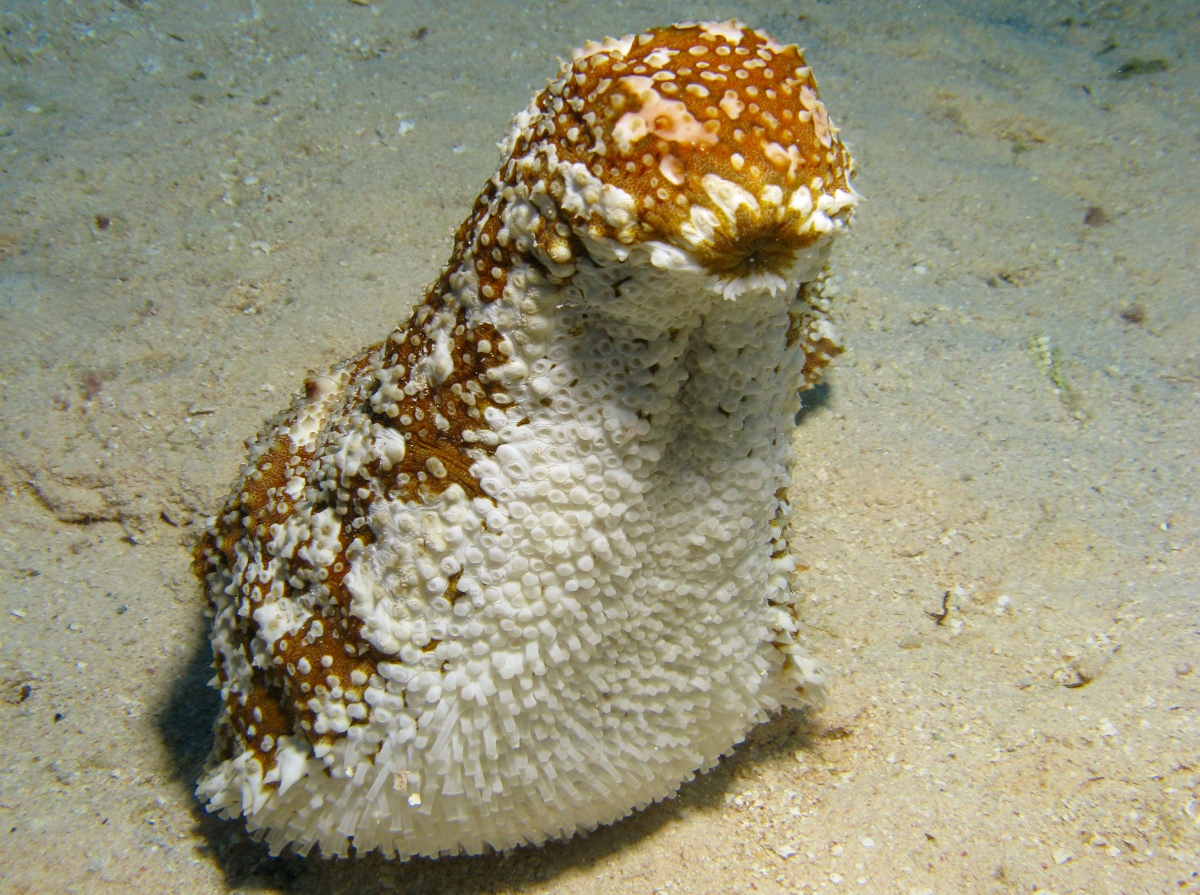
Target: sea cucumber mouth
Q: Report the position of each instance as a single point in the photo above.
(767, 250)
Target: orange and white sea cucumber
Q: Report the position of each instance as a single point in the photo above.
(521, 568)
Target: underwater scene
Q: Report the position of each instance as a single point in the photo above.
(627, 447)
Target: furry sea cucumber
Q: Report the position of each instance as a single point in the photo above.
(521, 568)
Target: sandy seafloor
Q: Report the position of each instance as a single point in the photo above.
(201, 202)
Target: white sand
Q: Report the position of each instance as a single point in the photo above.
(268, 217)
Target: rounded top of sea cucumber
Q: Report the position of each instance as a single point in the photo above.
(708, 136)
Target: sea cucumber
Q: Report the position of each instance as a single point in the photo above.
(521, 568)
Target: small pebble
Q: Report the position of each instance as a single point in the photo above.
(868, 842)
(1061, 856)
(1095, 216)
(784, 851)
(1182, 669)
(1134, 313)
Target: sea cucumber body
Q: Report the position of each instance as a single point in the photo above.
(521, 568)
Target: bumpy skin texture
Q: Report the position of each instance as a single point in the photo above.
(520, 569)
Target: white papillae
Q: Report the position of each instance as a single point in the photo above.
(623, 615)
